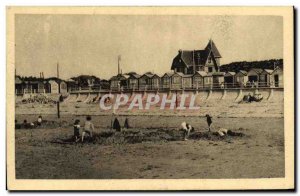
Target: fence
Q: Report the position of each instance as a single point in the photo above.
(162, 87)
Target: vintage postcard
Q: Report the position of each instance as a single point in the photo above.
(150, 98)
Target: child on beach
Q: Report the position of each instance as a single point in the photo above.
(76, 130)
(209, 121)
(187, 129)
(88, 128)
(39, 121)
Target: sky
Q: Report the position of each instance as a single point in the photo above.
(90, 44)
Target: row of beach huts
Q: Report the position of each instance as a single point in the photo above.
(199, 80)
(151, 81)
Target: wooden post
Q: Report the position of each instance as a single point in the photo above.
(58, 110)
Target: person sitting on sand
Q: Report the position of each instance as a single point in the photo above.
(26, 125)
(187, 129)
(88, 128)
(17, 125)
(209, 121)
(76, 130)
(39, 121)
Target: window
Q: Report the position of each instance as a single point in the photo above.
(210, 69)
(166, 80)
(209, 59)
(176, 79)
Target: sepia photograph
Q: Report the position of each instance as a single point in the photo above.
(150, 98)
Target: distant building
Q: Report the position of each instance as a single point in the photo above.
(56, 85)
(86, 81)
(190, 61)
(149, 81)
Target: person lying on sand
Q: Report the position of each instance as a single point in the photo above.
(222, 131)
(88, 128)
(187, 129)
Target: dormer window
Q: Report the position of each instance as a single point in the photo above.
(209, 59)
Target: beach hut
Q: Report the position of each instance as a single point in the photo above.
(155, 82)
(33, 85)
(166, 80)
(218, 79)
(241, 78)
(208, 80)
(145, 81)
(198, 79)
(133, 81)
(276, 78)
(56, 84)
(119, 82)
(229, 79)
(187, 81)
(253, 74)
(19, 86)
(176, 80)
(72, 85)
(265, 78)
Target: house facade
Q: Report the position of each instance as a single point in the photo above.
(190, 61)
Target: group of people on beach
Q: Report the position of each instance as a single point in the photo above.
(88, 129)
(28, 125)
(187, 128)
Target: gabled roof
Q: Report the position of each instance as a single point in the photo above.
(212, 47)
(118, 77)
(201, 73)
(136, 76)
(168, 74)
(269, 71)
(230, 73)
(277, 68)
(155, 76)
(178, 73)
(243, 72)
(194, 57)
(189, 58)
